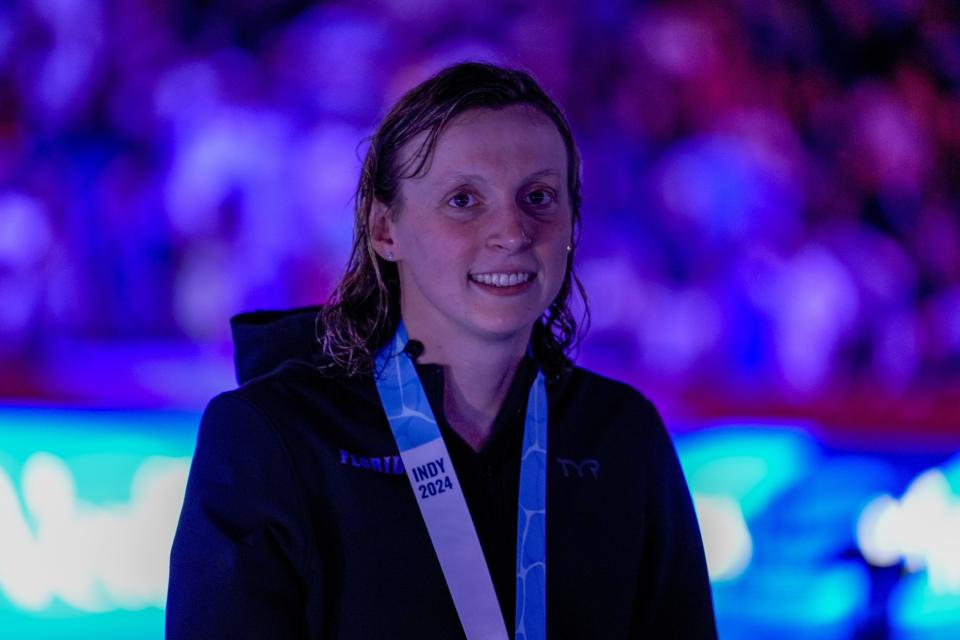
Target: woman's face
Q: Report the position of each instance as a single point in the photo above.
(480, 237)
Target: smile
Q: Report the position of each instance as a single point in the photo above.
(501, 279)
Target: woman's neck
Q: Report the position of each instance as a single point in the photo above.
(477, 377)
(473, 394)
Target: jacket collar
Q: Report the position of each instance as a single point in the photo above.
(507, 426)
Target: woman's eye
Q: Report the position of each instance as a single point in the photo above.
(461, 200)
(539, 197)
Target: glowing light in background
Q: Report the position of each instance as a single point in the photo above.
(94, 558)
(921, 529)
(734, 471)
(918, 612)
(750, 463)
(726, 539)
(89, 502)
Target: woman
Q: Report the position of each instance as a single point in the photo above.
(414, 470)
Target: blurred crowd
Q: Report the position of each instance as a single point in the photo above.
(771, 188)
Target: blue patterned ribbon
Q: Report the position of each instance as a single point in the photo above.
(444, 509)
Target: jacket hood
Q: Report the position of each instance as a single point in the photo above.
(263, 340)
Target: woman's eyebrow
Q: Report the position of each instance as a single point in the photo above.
(543, 173)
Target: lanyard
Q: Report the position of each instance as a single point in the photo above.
(444, 509)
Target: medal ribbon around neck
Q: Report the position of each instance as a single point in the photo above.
(444, 509)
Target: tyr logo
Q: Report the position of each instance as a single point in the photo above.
(587, 464)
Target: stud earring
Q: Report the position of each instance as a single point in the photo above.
(390, 256)
(569, 248)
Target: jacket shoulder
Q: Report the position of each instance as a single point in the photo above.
(604, 391)
(296, 381)
(614, 409)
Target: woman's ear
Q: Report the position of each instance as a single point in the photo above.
(381, 231)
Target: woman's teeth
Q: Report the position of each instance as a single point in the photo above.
(501, 279)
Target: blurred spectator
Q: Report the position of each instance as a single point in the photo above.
(771, 199)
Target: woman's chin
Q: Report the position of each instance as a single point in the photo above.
(501, 327)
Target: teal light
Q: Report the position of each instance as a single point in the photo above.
(91, 501)
(102, 448)
(917, 612)
(750, 463)
(951, 471)
(794, 603)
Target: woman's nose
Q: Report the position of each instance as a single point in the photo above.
(509, 232)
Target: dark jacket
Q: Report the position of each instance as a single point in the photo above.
(299, 522)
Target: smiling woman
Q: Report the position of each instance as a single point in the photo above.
(389, 477)
(481, 239)
(503, 228)
(504, 140)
